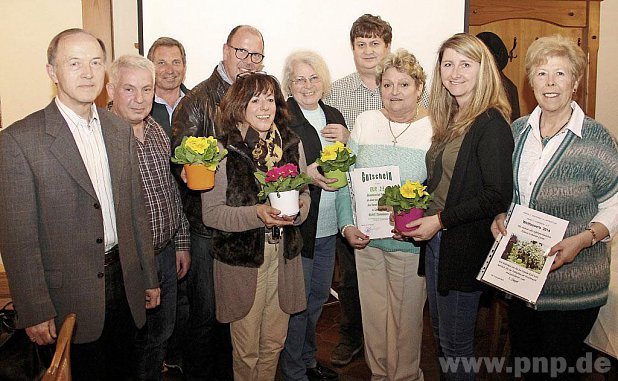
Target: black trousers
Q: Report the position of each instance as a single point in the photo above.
(113, 355)
(555, 337)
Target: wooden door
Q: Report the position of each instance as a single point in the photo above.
(523, 21)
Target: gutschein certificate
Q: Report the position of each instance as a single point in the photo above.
(518, 262)
(366, 187)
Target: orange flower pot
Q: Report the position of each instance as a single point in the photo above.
(199, 177)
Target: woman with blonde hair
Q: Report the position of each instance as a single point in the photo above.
(469, 174)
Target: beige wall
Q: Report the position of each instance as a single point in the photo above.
(124, 14)
(25, 31)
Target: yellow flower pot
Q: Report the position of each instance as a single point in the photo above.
(199, 177)
(342, 180)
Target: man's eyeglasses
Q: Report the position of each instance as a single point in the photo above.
(241, 54)
(303, 81)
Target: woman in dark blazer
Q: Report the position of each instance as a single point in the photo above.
(469, 173)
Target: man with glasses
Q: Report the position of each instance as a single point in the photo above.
(208, 351)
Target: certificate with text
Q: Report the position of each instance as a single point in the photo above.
(366, 187)
(518, 262)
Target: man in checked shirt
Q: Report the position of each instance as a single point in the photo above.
(131, 90)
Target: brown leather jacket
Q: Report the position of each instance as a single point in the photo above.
(195, 116)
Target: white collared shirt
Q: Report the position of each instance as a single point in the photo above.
(89, 139)
(170, 108)
(535, 157)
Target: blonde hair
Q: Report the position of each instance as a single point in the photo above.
(312, 59)
(404, 62)
(555, 46)
(488, 92)
(130, 61)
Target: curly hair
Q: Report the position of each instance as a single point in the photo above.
(555, 46)
(404, 62)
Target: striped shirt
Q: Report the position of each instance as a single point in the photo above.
(89, 139)
(161, 193)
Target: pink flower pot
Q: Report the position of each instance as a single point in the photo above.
(404, 218)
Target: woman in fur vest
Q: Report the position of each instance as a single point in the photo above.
(258, 271)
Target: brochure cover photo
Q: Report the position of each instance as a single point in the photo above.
(521, 265)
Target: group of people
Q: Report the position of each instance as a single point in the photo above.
(97, 222)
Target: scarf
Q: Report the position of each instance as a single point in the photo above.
(266, 152)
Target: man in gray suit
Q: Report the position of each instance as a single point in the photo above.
(75, 235)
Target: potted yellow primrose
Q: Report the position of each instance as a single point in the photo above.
(281, 186)
(200, 156)
(408, 201)
(335, 160)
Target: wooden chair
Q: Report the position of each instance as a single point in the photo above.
(60, 368)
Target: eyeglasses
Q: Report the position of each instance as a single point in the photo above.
(248, 73)
(241, 54)
(303, 81)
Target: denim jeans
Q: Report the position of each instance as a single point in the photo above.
(453, 316)
(178, 338)
(151, 341)
(351, 325)
(300, 345)
(207, 354)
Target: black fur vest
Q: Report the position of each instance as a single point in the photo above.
(247, 248)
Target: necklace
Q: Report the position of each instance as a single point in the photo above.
(390, 128)
(546, 139)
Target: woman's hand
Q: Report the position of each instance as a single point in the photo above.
(270, 216)
(426, 228)
(499, 226)
(356, 238)
(318, 179)
(336, 132)
(567, 249)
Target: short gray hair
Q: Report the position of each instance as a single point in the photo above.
(130, 61)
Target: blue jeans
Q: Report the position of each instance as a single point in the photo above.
(453, 317)
(207, 354)
(300, 344)
(152, 339)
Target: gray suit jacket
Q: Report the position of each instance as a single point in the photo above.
(51, 225)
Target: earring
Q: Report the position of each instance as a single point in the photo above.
(575, 90)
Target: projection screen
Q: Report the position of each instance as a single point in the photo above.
(288, 25)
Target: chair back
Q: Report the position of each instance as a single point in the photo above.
(60, 368)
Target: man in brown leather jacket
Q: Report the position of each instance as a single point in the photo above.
(208, 351)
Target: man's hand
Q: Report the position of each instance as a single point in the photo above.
(153, 297)
(183, 262)
(43, 333)
(336, 132)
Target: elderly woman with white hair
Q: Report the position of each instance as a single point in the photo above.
(564, 164)
(307, 81)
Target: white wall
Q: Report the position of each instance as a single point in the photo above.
(289, 25)
(124, 15)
